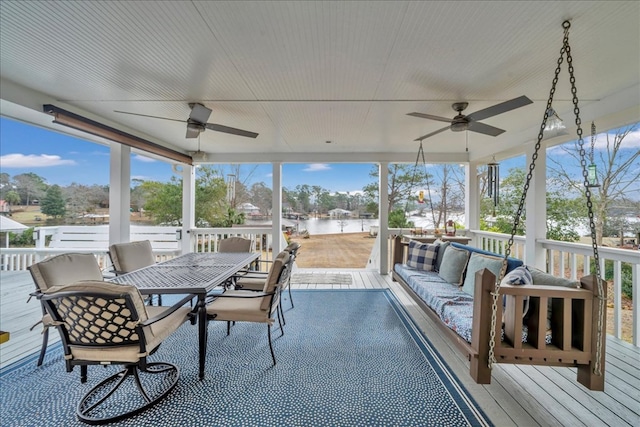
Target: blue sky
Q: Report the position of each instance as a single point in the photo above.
(63, 160)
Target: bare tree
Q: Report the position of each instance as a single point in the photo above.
(618, 173)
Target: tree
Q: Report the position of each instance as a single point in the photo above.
(30, 186)
(12, 198)
(618, 172)
(53, 203)
(163, 201)
(404, 179)
(262, 197)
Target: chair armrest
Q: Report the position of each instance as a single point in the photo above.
(169, 311)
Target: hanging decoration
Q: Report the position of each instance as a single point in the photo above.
(493, 180)
(592, 172)
(421, 194)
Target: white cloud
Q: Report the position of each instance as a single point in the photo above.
(144, 159)
(33, 161)
(317, 167)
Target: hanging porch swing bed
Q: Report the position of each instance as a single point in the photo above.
(487, 312)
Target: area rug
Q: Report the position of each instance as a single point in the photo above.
(347, 358)
(321, 278)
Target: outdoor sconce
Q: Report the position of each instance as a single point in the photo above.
(178, 234)
(36, 235)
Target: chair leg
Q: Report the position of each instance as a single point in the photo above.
(290, 298)
(281, 329)
(83, 374)
(281, 313)
(43, 350)
(273, 355)
(228, 328)
(102, 405)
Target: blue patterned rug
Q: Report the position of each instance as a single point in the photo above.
(347, 358)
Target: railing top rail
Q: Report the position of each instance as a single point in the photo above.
(624, 255)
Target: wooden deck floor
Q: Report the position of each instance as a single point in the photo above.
(519, 395)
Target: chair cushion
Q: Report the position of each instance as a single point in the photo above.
(476, 263)
(234, 244)
(239, 309)
(64, 269)
(131, 256)
(251, 283)
(453, 264)
(422, 256)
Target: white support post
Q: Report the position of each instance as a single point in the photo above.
(472, 198)
(188, 206)
(383, 214)
(536, 206)
(119, 193)
(276, 212)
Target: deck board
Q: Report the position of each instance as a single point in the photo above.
(519, 395)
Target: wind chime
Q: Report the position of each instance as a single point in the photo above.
(493, 180)
(592, 175)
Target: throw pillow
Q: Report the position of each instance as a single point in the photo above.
(542, 278)
(476, 263)
(518, 276)
(421, 256)
(453, 264)
(441, 250)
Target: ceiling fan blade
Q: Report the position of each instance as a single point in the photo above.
(430, 116)
(431, 134)
(232, 131)
(484, 128)
(192, 132)
(146, 115)
(199, 113)
(503, 107)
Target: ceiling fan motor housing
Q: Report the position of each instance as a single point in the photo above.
(459, 123)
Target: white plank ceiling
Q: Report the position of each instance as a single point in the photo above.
(304, 72)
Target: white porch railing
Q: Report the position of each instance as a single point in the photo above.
(572, 261)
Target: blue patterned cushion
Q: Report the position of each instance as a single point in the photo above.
(422, 256)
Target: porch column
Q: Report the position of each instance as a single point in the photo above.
(536, 207)
(471, 197)
(383, 215)
(188, 206)
(276, 210)
(119, 193)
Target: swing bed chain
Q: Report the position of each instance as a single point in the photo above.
(566, 49)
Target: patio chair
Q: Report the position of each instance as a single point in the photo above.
(248, 306)
(131, 256)
(234, 244)
(254, 280)
(61, 270)
(103, 323)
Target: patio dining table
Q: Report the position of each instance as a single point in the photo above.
(196, 274)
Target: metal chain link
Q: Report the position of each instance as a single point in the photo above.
(496, 293)
(593, 140)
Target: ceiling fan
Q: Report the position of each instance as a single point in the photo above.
(197, 122)
(470, 122)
